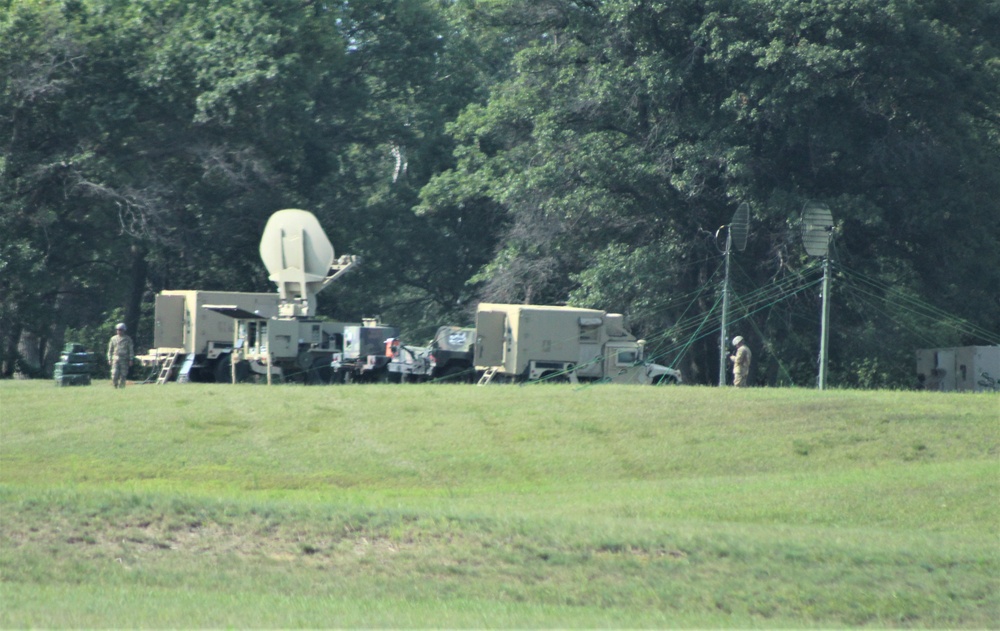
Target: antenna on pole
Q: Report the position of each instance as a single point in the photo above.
(735, 235)
(817, 229)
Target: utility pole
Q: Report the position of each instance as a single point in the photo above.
(725, 314)
(736, 232)
(817, 230)
(824, 336)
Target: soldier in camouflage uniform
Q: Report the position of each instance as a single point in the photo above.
(120, 356)
(741, 362)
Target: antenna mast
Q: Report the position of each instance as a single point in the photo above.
(736, 232)
(817, 228)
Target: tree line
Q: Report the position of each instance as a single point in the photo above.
(537, 151)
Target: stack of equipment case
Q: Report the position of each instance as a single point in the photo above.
(75, 366)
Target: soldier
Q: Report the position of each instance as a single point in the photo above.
(120, 356)
(741, 362)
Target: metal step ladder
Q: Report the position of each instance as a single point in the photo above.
(488, 375)
(167, 367)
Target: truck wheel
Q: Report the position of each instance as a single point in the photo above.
(222, 372)
(552, 376)
(320, 372)
(336, 376)
(453, 374)
(666, 380)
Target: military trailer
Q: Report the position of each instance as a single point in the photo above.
(962, 369)
(282, 349)
(530, 342)
(448, 357)
(193, 343)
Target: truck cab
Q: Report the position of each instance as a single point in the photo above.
(626, 363)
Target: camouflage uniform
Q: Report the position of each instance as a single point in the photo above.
(741, 366)
(120, 358)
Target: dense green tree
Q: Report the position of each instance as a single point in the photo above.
(56, 245)
(631, 130)
(541, 151)
(149, 142)
(417, 68)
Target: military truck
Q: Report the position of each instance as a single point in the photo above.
(292, 344)
(363, 357)
(448, 357)
(193, 343)
(531, 342)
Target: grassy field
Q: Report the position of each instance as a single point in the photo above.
(456, 506)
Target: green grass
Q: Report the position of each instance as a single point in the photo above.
(456, 506)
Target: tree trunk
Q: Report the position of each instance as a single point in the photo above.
(29, 362)
(10, 357)
(137, 287)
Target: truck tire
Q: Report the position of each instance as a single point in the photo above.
(554, 376)
(320, 373)
(666, 380)
(222, 370)
(453, 374)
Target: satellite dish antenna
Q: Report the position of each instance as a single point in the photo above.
(300, 260)
(817, 226)
(740, 226)
(736, 235)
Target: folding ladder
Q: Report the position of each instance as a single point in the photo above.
(488, 375)
(167, 367)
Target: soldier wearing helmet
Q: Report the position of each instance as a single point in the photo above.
(741, 362)
(120, 355)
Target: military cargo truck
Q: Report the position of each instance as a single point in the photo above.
(291, 343)
(191, 342)
(531, 342)
(448, 357)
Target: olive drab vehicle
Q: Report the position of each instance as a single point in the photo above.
(530, 342)
(448, 357)
(363, 358)
(293, 344)
(230, 336)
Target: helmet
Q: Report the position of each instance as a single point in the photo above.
(737, 340)
(120, 326)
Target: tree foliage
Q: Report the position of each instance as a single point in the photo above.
(540, 151)
(631, 130)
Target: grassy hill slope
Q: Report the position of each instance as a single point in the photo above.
(457, 506)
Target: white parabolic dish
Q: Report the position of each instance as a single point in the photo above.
(296, 252)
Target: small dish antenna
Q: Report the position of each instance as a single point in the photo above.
(817, 226)
(300, 259)
(740, 226)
